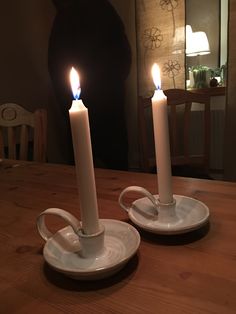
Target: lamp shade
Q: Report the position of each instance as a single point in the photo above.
(196, 43)
(189, 33)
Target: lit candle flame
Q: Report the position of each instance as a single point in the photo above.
(75, 83)
(156, 76)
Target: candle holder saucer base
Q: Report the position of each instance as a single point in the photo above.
(121, 242)
(184, 215)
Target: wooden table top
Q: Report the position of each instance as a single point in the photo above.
(191, 273)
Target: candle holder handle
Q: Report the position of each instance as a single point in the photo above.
(140, 190)
(91, 245)
(43, 230)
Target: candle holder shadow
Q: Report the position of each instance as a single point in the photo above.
(175, 239)
(88, 257)
(183, 215)
(66, 283)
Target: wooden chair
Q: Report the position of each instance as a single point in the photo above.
(183, 162)
(23, 134)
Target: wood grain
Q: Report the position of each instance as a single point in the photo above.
(192, 273)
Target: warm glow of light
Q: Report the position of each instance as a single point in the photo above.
(196, 43)
(75, 83)
(156, 76)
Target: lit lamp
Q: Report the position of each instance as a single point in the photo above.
(197, 45)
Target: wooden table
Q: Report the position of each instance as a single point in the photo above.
(191, 273)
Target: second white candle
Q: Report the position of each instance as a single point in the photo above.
(162, 143)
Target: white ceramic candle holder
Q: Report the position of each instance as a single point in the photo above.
(87, 257)
(184, 214)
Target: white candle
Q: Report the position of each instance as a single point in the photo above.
(161, 135)
(83, 159)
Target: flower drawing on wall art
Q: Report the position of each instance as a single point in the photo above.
(170, 6)
(171, 69)
(152, 38)
(157, 22)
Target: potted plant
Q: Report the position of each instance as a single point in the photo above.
(201, 76)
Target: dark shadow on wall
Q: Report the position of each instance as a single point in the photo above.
(95, 43)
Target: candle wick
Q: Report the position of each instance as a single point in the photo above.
(77, 94)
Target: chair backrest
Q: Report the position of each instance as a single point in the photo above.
(177, 98)
(21, 130)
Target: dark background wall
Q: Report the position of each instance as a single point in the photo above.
(24, 31)
(24, 79)
(230, 132)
